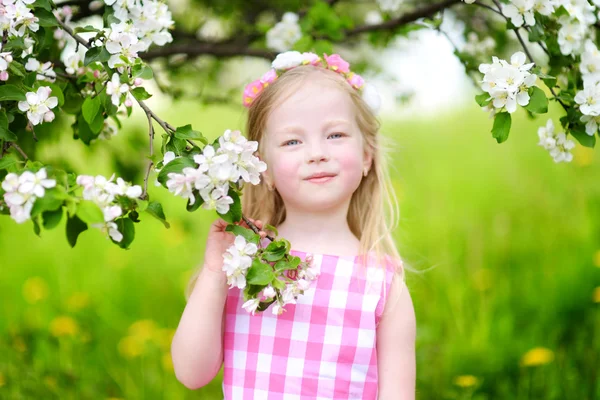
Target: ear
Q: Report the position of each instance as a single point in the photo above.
(367, 159)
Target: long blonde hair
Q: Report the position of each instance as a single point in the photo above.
(373, 213)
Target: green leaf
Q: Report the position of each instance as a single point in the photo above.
(52, 218)
(74, 227)
(583, 138)
(259, 273)
(97, 124)
(90, 213)
(52, 200)
(84, 131)
(142, 71)
(275, 250)
(186, 132)
(36, 225)
(483, 99)
(140, 93)
(127, 229)
(560, 11)
(90, 108)
(248, 234)
(538, 102)
(46, 18)
(142, 204)
(16, 68)
(12, 92)
(283, 265)
(5, 134)
(45, 4)
(73, 103)
(198, 201)
(278, 284)
(235, 209)
(501, 127)
(8, 160)
(177, 165)
(271, 228)
(155, 209)
(87, 28)
(96, 54)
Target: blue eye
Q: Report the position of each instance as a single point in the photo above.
(293, 140)
(337, 133)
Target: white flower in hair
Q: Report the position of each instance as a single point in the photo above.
(287, 60)
(371, 97)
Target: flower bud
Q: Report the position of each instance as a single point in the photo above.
(138, 82)
(8, 58)
(49, 116)
(4, 76)
(96, 74)
(128, 102)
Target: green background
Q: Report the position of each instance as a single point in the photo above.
(507, 242)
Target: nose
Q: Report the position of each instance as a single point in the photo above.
(317, 152)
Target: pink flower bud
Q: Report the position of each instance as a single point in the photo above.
(96, 74)
(128, 102)
(4, 76)
(251, 91)
(8, 58)
(310, 58)
(138, 82)
(337, 63)
(49, 116)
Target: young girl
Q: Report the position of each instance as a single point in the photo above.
(351, 335)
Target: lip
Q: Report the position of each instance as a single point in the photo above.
(321, 175)
(322, 179)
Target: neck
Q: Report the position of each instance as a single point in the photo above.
(324, 231)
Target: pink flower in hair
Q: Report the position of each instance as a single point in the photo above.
(269, 77)
(311, 58)
(252, 90)
(337, 63)
(355, 80)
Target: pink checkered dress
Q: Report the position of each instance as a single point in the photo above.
(323, 347)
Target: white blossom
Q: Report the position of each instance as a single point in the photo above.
(115, 89)
(38, 105)
(287, 60)
(251, 305)
(21, 192)
(285, 33)
(519, 12)
(217, 198)
(556, 143)
(589, 100)
(45, 72)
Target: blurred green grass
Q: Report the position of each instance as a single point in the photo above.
(509, 243)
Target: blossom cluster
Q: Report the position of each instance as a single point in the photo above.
(38, 105)
(291, 59)
(233, 160)
(16, 20)
(237, 259)
(589, 98)
(22, 190)
(103, 193)
(285, 33)
(508, 84)
(555, 142)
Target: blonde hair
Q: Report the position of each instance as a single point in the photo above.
(373, 213)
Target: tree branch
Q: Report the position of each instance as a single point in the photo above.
(20, 150)
(423, 12)
(198, 48)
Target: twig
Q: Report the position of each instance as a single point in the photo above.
(255, 228)
(68, 29)
(480, 4)
(144, 195)
(20, 150)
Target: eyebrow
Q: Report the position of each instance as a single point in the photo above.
(300, 129)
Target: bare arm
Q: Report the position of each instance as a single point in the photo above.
(197, 347)
(396, 336)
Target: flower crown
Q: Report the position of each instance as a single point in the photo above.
(291, 59)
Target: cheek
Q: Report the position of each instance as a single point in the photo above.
(285, 169)
(350, 164)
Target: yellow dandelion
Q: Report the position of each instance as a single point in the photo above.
(583, 156)
(78, 301)
(164, 337)
(537, 356)
(2, 379)
(167, 362)
(50, 381)
(19, 344)
(143, 330)
(597, 259)
(63, 326)
(466, 381)
(130, 347)
(596, 295)
(35, 289)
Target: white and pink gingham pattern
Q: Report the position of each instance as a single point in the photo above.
(323, 347)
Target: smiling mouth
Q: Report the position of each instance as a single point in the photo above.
(322, 179)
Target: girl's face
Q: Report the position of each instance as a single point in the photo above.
(314, 130)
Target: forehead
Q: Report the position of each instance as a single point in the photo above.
(312, 103)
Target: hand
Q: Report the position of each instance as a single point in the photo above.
(219, 240)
